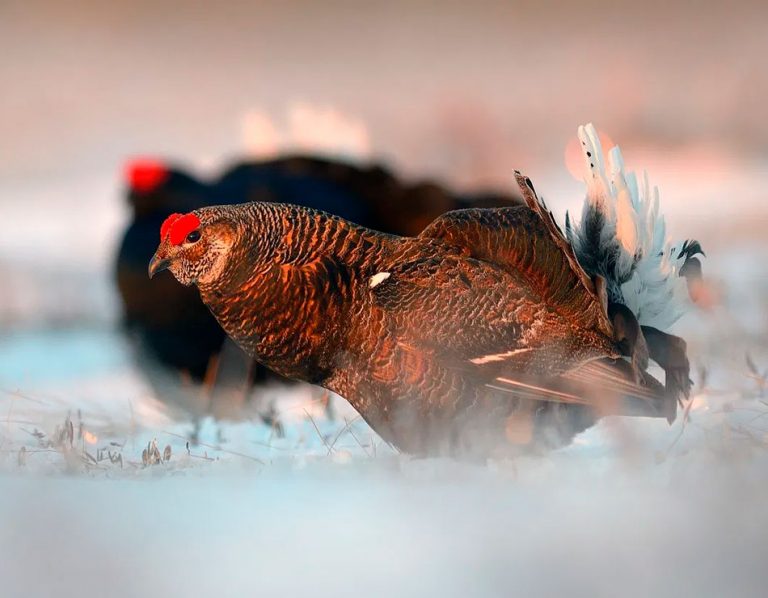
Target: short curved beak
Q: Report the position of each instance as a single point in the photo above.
(158, 264)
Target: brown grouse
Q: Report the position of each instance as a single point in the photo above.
(481, 334)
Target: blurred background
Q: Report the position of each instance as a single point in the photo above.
(451, 94)
(462, 94)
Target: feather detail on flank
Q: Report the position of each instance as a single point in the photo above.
(622, 237)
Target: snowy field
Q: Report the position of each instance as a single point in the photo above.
(633, 508)
(107, 488)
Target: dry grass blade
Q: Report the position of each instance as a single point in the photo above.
(360, 444)
(685, 420)
(41, 438)
(687, 412)
(325, 442)
(751, 365)
(341, 431)
(151, 455)
(755, 374)
(115, 458)
(18, 395)
(703, 378)
(64, 438)
(215, 448)
(271, 418)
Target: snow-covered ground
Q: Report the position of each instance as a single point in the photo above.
(93, 502)
(107, 488)
(388, 528)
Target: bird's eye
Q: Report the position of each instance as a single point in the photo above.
(193, 237)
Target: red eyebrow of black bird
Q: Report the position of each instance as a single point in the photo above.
(178, 226)
(146, 175)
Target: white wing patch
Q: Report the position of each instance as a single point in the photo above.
(498, 356)
(378, 278)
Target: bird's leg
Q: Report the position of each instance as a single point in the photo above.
(209, 381)
(629, 337)
(250, 380)
(669, 352)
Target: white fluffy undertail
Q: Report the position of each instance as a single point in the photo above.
(622, 237)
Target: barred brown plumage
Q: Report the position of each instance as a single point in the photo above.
(483, 325)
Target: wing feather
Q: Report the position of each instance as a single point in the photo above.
(527, 242)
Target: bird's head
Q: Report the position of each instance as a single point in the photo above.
(194, 246)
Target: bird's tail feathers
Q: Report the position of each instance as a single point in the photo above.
(622, 237)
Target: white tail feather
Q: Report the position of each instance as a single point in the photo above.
(647, 265)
